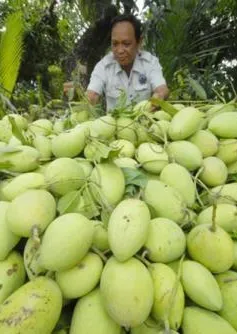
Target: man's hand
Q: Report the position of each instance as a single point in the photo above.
(93, 97)
(162, 93)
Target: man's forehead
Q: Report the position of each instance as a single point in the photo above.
(123, 29)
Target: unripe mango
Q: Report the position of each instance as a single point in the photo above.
(24, 159)
(151, 327)
(200, 285)
(169, 296)
(126, 129)
(214, 172)
(41, 126)
(127, 291)
(225, 216)
(206, 142)
(185, 154)
(227, 150)
(226, 193)
(63, 175)
(108, 183)
(32, 309)
(196, 320)
(12, 274)
(33, 209)
(152, 156)
(103, 127)
(166, 241)
(128, 228)
(21, 183)
(165, 200)
(100, 237)
(8, 240)
(224, 125)
(81, 279)
(66, 241)
(179, 178)
(89, 316)
(43, 145)
(213, 249)
(69, 144)
(127, 148)
(228, 286)
(126, 163)
(185, 123)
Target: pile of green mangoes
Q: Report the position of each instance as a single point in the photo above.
(126, 223)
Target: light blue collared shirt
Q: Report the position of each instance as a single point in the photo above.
(109, 78)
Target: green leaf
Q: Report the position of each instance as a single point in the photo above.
(11, 50)
(69, 202)
(103, 152)
(134, 177)
(166, 106)
(90, 207)
(198, 89)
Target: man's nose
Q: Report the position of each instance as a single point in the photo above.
(120, 49)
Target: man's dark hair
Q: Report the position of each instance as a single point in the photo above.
(137, 25)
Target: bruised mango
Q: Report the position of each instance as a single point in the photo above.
(32, 309)
(12, 274)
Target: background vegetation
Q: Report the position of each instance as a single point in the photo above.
(43, 43)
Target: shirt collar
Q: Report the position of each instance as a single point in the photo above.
(136, 65)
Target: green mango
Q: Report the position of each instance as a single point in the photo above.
(32, 309)
(197, 320)
(33, 209)
(81, 279)
(90, 317)
(66, 241)
(12, 274)
(8, 240)
(127, 291)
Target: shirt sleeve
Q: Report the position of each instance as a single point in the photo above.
(156, 74)
(97, 79)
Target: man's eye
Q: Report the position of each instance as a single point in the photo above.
(127, 44)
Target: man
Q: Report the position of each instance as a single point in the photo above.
(126, 68)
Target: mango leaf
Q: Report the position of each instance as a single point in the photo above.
(198, 89)
(134, 177)
(103, 152)
(166, 106)
(90, 207)
(69, 202)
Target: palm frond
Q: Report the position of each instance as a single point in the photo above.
(11, 51)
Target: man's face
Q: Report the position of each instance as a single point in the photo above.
(124, 44)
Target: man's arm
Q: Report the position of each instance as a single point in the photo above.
(161, 92)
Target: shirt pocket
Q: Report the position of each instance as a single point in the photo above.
(112, 96)
(142, 92)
